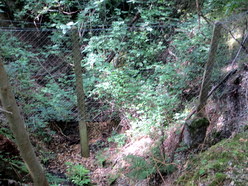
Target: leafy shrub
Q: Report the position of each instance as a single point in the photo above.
(41, 102)
(112, 178)
(140, 168)
(120, 139)
(191, 45)
(78, 174)
(54, 180)
(12, 167)
(220, 8)
(101, 159)
(6, 132)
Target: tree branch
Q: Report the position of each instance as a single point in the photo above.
(3, 110)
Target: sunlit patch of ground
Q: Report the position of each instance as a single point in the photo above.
(138, 147)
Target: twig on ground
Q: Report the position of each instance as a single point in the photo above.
(157, 168)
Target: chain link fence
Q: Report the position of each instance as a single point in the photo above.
(40, 64)
(41, 73)
(41, 67)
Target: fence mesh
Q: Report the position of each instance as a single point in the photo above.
(40, 72)
(41, 68)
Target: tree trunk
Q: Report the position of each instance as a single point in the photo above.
(80, 94)
(17, 126)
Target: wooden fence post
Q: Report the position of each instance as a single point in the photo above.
(205, 87)
(77, 58)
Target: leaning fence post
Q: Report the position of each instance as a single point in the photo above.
(205, 87)
(77, 58)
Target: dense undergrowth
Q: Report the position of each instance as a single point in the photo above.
(155, 71)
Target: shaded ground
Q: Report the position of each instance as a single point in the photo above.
(106, 158)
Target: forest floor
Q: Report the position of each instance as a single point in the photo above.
(225, 163)
(222, 164)
(106, 163)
